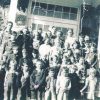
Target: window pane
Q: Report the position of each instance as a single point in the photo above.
(74, 10)
(35, 11)
(66, 9)
(42, 12)
(33, 26)
(65, 15)
(64, 30)
(50, 13)
(58, 8)
(37, 4)
(46, 27)
(57, 14)
(43, 6)
(58, 28)
(51, 7)
(73, 16)
(40, 26)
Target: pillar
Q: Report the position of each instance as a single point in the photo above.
(13, 11)
(99, 43)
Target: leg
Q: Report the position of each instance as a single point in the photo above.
(60, 95)
(47, 95)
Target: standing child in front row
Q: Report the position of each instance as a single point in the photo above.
(10, 86)
(91, 82)
(37, 82)
(50, 88)
(63, 85)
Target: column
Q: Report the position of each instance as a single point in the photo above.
(99, 43)
(13, 11)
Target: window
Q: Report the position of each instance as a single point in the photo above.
(55, 11)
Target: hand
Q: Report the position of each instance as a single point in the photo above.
(81, 92)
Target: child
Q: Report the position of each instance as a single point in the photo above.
(63, 85)
(74, 92)
(10, 85)
(50, 93)
(91, 81)
(24, 82)
(37, 82)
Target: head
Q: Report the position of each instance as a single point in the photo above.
(9, 25)
(51, 72)
(13, 36)
(25, 30)
(73, 69)
(35, 53)
(93, 49)
(87, 38)
(75, 45)
(24, 53)
(39, 30)
(81, 60)
(15, 49)
(92, 72)
(81, 38)
(59, 34)
(12, 65)
(65, 72)
(25, 67)
(39, 65)
(70, 32)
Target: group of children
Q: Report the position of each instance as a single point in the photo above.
(50, 66)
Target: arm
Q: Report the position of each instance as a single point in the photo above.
(68, 88)
(86, 84)
(57, 84)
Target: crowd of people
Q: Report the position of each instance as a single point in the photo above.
(50, 66)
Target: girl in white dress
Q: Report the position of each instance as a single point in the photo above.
(91, 82)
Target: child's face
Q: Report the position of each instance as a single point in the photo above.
(39, 65)
(72, 70)
(81, 61)
(34, 55)
(75, 45)
(70, 33)
(64, 73)
(15, 50)
(51, 74)
(13, 37)
(92, 49)
(24, 54)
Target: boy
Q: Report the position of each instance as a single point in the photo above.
(63, 85)
(24, 82)
(10, 85)
(37, 82)
(74, 92)
(50, 93)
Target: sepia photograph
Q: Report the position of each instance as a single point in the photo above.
(49, 49)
